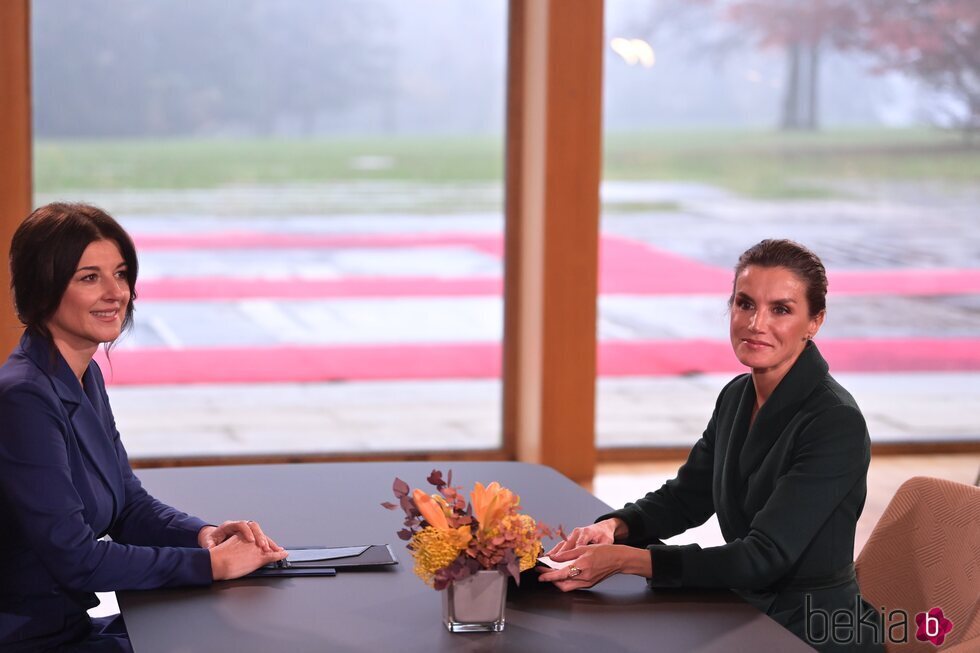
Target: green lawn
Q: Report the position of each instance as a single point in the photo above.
(777, 165)
(761, 164)
(68, 165)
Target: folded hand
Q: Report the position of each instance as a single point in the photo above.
(595, 562)
(603, 532)
(235, 557)
(250, 531)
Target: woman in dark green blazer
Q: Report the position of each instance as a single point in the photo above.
(783, 463)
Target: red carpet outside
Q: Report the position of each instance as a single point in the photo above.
(627, 267)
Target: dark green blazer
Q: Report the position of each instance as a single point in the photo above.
(788, 492)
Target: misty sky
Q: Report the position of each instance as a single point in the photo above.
(293, 68)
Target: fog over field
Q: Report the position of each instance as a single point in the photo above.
(252, 68)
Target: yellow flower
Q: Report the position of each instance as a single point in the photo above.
(492, 503)
(435, 549)
(527, 546)
(431, 509)
(530, 558)
(529, 553)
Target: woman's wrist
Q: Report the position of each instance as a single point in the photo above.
(637, 562)
(220, 563)
(621, 530)
(202, 535)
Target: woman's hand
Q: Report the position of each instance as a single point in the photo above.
(236, 556)
(605, 532)
(596, 562)
(250, 531)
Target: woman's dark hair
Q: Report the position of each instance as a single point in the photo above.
(45, 252)
(794, 257)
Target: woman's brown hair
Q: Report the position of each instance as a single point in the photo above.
(44, 254)
(794, 257)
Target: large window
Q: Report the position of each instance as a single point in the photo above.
(730, 122)
(315, 190)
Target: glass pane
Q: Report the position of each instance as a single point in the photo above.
(315, 193)
(727, 123)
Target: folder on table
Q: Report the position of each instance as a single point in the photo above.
(324, 561)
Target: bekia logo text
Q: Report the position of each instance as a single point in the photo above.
(858, 625)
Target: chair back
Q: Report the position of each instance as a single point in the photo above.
(924, 553)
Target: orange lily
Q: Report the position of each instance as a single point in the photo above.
(492, 503)
(431, 509)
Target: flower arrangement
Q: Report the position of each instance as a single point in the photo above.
(451, 540)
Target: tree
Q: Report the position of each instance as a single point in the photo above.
(937, 41)
(122, 68)
(802, 28)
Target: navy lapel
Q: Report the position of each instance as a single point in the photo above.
(801, 380)
(90, 426)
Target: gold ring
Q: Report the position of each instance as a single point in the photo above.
(573, 572)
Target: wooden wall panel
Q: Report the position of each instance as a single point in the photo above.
(15, 148)
(553, 173)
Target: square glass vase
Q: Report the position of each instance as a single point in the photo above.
(475, 604)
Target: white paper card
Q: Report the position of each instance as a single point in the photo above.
(545, 560)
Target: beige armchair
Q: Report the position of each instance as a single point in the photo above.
(924, 553)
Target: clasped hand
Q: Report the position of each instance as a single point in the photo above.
(238, 548)
(594, 556)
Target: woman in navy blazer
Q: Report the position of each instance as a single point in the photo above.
(783, 463)
(65, 480)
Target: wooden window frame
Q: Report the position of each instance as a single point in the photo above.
(553, 172)
(15, 148)
(554, 90)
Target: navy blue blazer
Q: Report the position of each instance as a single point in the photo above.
(65, 482)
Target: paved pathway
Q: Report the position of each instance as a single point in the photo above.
(381, 331)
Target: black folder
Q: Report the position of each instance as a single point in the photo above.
(324, 561)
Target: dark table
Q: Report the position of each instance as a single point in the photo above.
(391, 609)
